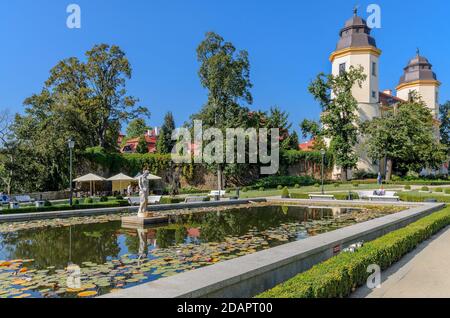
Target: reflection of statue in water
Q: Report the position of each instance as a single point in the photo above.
(143, 194)
(143, 247)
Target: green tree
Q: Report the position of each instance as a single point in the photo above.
(340, 114)
(406, 137)
(142, 146)
(225, 73)
(165, 143)
(137, 127)
(444, 116)
(85, 101)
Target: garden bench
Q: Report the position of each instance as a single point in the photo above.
(23, 199)
(155, 199)
(195, 199)
(321, 197)
(134, 201)
(385, 198)
(217, 193)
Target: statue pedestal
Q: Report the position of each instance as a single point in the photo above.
(134, 221)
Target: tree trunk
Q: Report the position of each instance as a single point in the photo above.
(343, 174)
(389, 165)
(219, 177)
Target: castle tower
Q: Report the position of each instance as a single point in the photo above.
(419, 77)
(356, 47)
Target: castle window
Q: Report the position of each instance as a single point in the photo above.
(341, 68)
(374, 94)
(374, 69)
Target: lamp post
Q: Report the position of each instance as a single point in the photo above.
(322, 152)
(71, 145)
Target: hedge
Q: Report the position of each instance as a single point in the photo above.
(338, 276)
(109, 204)
(273, 182)
(421, 197)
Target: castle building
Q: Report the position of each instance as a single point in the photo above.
(356, 47)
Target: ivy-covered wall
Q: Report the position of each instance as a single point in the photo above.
(97, 160)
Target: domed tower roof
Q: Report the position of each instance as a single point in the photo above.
(418, 69)
(355, 34)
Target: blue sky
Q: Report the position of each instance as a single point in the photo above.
(289, 42)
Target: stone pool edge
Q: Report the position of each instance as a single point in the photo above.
(252, 274)
(33, 216)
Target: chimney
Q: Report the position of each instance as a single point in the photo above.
(388, 92)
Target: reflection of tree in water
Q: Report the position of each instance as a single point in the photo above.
(50, 246)
(132, 243)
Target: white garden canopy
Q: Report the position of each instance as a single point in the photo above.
(121, 178)
(150, 177)
(91, 178)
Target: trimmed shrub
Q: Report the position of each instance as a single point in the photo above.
(119, 197)
(407, 187)
(355, 184)
(76, 202)
(340, 275)
(345, 196)
(425, 189)
(297, 186)
(299, 196)
(447, 191)
(317, 185)
(244, 189)
(285, 193)
(336, 185)
(88, 201)
(280, 187)
(47, 203)
(104, 199)
(273, 182)
(421, 197)
(438, 190)
(171, 200)
(261, 189)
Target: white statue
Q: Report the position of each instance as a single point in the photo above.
(143, 194)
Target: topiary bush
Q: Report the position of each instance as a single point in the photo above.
(340, 275)
(317, 185)
(297, 186)
(438, 190)
(104, 199)
(346, 196)
(299, 196)
(425, 189)
(273, 182)
(447, 191)
(47, 203)
(76, 202)
(407, 187)
(336, 184)
(285, 193)
(355, 184)
(280, 187)
(244, 189)
(88, 201)
(261, 189)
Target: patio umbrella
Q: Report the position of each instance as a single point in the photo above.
(91, 178)
(150, 177)
(121, 178)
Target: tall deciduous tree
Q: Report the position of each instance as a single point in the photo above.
(165, 143)
(225, 73)
(136, 128)
(444, 116)
(339, 118)
(406, 137)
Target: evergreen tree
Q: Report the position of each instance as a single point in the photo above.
(165, 143)
(142, 146)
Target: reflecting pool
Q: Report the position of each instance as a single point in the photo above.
(76, 258)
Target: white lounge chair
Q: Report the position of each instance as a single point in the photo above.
(154, 199)
(23, 199)
(215, 193)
